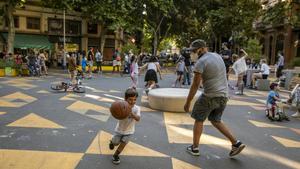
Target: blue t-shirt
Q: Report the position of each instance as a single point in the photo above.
(83, 63)
(271, 96)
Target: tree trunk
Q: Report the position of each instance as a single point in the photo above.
(103, 33)
(11, 27)
(154, 44)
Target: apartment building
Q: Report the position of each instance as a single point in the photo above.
(43, 28)
(282, 35)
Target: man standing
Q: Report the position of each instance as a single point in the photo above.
(280, 65)
(210, 70)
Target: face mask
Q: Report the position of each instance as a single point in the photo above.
(194, 56)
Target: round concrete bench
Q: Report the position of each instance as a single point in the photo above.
(170, 99)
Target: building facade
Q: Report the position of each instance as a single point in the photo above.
(282, 35)
(43, 28)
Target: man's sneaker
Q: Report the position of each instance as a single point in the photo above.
(296, 115)
(116, 160)
(237, 148)
(111, 145)
(194, 151)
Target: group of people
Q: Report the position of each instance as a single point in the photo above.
(34, 62)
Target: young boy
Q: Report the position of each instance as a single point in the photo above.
(272, 106)
(125, 128)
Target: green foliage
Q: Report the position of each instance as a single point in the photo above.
(2, 64)
(276, 14)
(10, 63)
(130, 47)
(295, 62)
(254, 49)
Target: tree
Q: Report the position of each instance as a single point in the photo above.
(7, 9)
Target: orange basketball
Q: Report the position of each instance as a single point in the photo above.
(120, 109)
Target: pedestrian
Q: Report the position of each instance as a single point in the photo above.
(279, 65)
(90, 62)
(262, 74)
(43, 63)
(295, 98)
(99, 59)
(116, 61)
(209, 69)
(151, 76)
(125, 128)
(83, 65)
(72, 68)
(240, 68)
(134, 71)
(180, 69)
(188, 64)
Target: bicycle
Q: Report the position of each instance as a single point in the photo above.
(64, 86)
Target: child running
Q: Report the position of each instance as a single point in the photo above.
(125, 128)
(134, 71)
(180, 68)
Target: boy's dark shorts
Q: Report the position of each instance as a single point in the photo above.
(211, 107)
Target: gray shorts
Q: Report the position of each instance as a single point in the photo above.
(211, 107)
(118, 138)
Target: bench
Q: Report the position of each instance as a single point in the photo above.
(170, 99)
(263, 84)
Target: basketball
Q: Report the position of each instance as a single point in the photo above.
(120, 109)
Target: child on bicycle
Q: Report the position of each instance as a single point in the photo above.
(274, 110)
(125, 128)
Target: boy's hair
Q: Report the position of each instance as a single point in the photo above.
(131, 92)
(272, 86)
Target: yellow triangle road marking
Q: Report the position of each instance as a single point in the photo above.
(19, 95)
(67, 98)
(43, 92)
(241, 103)
(146, 109)
(34, 121)
(4, 103)
(73, 95)
(287, 142)
(266, 125)
(38, 159)
(1, 112)
(101, 141)
(83, 107)
(295, 130)
(185, 136)
(178, 164)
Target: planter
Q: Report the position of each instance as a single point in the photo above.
(8, 71)
(2, 72)
(14, 72)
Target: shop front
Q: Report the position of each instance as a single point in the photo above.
(73, 44)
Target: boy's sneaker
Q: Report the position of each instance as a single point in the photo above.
(194, 151)
(111, 145)
(116, 160)
(237, 148)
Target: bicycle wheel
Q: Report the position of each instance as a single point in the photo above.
(57, 87)
(79, 89)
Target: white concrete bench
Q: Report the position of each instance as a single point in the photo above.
(263, 84)
(170, 99)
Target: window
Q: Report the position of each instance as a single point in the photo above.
(16, 22)
(33, 23)
(56, 27)
(92, 28)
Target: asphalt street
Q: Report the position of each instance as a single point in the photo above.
(40, 128)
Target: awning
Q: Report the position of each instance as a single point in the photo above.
(26, 41)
